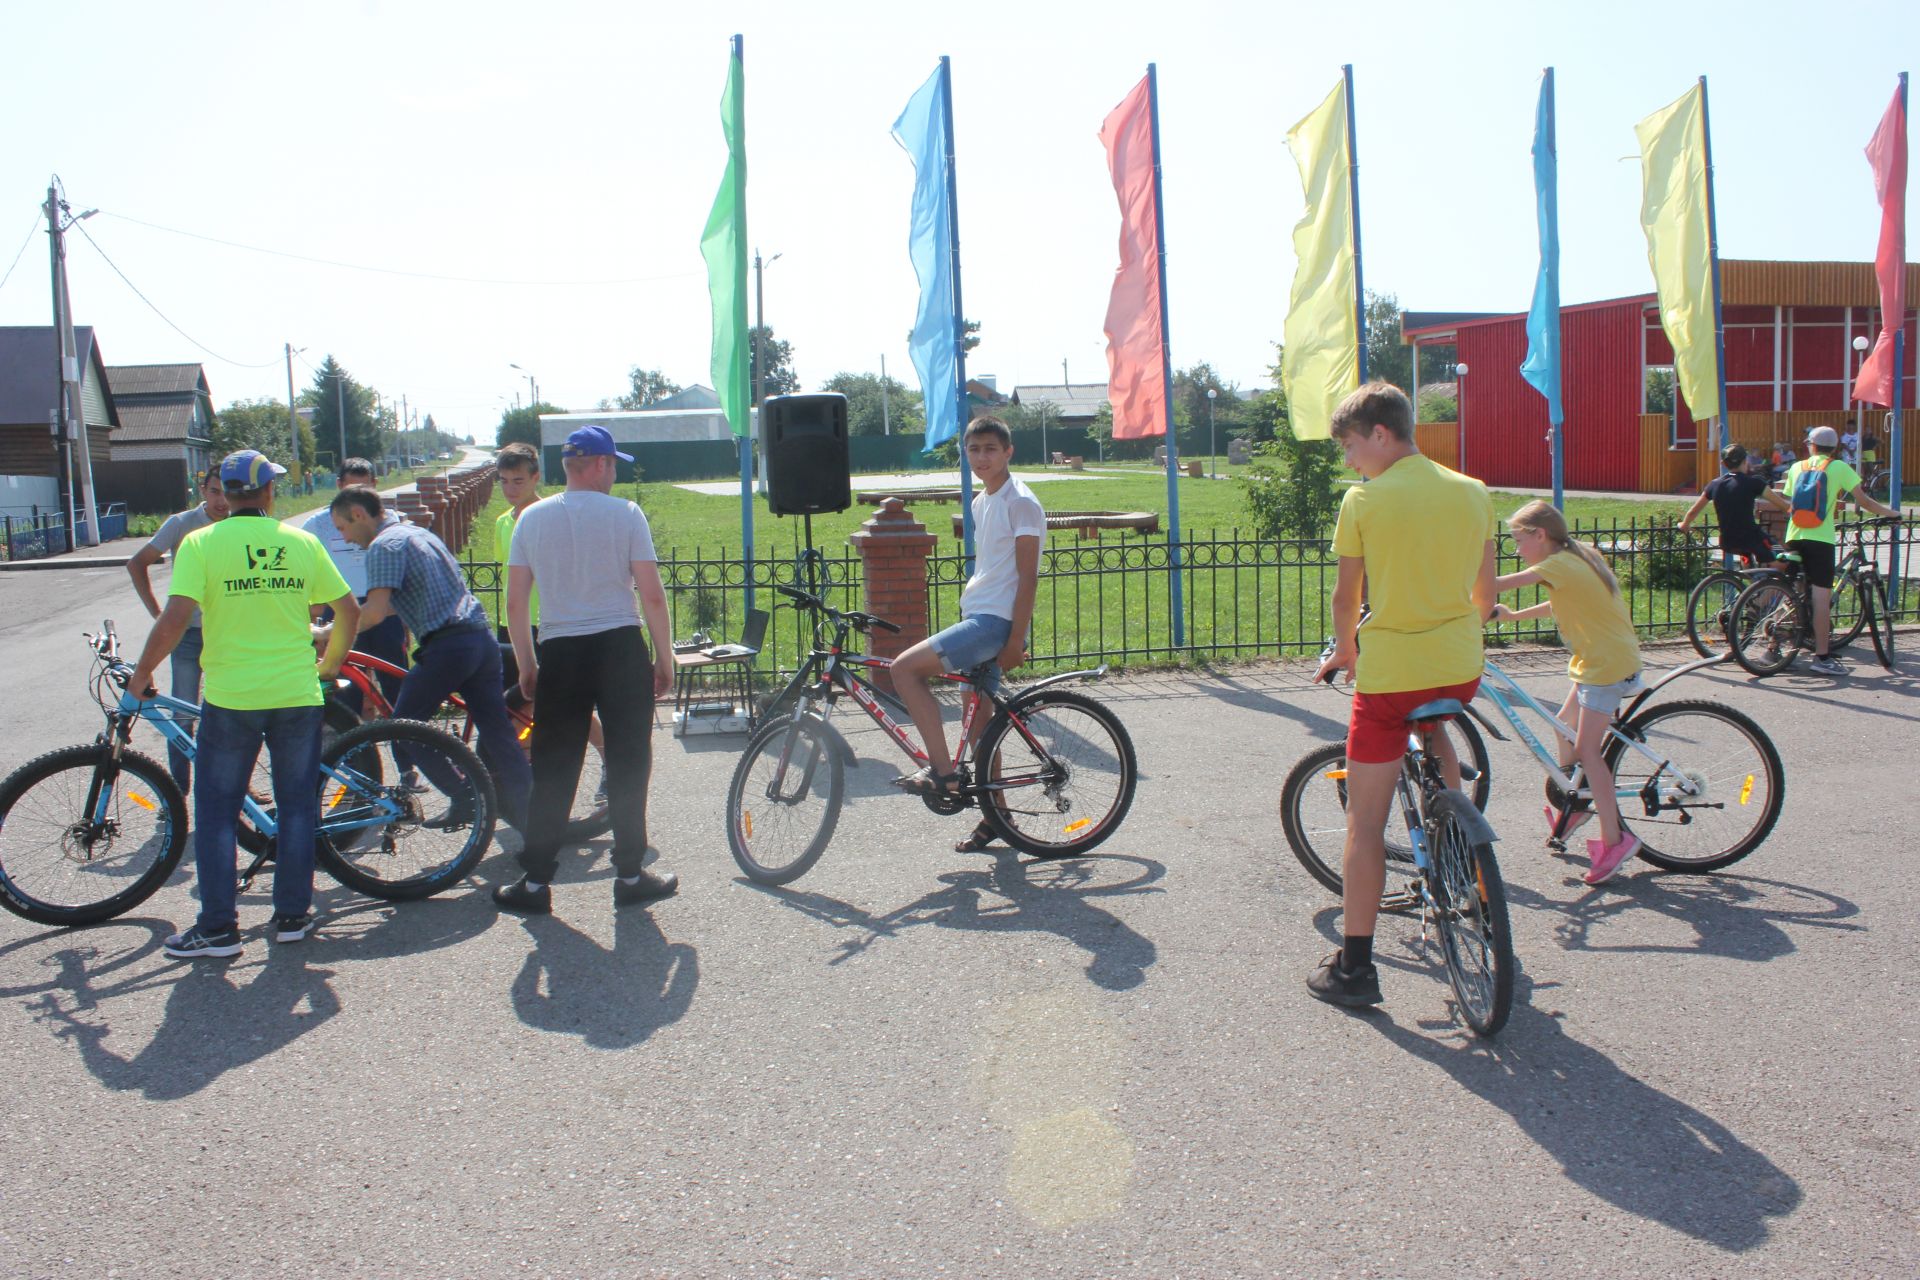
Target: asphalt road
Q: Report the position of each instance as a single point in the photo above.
(914, 1062)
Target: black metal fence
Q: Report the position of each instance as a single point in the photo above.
(1111, 600)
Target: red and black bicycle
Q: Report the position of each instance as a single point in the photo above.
(1052, 773)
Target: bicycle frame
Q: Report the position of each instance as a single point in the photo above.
(829, 673)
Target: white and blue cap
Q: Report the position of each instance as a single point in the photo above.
(592, 442)
(247, 469)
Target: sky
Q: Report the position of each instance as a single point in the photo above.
(528, 183)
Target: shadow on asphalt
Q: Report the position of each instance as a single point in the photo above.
(611, 998)
(1737, 917)
(1619, 1138)
(1045, 897)
(220, 1014)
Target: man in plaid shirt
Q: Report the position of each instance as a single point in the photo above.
(411, 573)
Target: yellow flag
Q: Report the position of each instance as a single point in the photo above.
(1673, 212)
(1320, 361)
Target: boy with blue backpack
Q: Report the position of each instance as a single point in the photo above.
(1816, 486)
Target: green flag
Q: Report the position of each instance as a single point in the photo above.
(724, 246)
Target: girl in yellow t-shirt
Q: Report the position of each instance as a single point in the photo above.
(1585, 602)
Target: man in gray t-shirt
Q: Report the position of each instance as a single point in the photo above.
(185, 662)
(589, 552)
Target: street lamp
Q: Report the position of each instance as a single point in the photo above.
(760, 328)
(1460, 413)
(1860, 344)
(1213, 460)
(533, 385)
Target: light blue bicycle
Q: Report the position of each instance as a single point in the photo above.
(88, 832)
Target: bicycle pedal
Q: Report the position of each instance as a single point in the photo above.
(1556, 844)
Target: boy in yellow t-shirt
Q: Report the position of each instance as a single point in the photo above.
(1592, 618)
(1417, 541)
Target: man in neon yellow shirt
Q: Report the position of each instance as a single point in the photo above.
(1816, 543)
(254, 581)
(1417, 540)
(518, 467)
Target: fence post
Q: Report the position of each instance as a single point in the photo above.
(893, 549)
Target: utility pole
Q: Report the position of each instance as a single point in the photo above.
(760, 329)
(886, 420)
(71, 417)
(1064, 381)
(340, 403)
(406, 454)
(293, 417)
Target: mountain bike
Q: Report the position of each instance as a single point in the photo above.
(1052, 772)
(591, 815)
(1446, 866)
(1710, 603)
(1772, 618)
(90, 831)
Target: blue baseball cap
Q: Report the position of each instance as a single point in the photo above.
(246, 469)
(592, 442)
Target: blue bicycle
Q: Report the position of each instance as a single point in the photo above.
(88, 832)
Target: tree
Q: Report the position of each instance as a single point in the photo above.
(864, 416)
(262, 425)
(645, 388)
(1293, 491)
(333, 387)
(781, 379)
(522, 426)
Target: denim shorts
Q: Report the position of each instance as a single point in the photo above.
(1608, 697)
(975, 639)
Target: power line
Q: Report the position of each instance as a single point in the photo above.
(23, 249)
(238, 364)
(394, 271)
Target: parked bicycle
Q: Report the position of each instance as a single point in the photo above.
(1052, 772)
(591, 815)
(1772, 618)
(1710, 602)
(88, 832)
(1445, 867)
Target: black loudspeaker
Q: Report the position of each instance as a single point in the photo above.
(803, 454)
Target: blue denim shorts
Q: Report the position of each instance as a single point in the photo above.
(1608, 697)
(971, 641)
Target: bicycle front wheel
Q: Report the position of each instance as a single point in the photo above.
(1849, 611)
(1709, 794)
(1879, 614)
(1057, 771)
(384, 833)
(1313, 815)
(1709, 607)
(1470, 906)
(63, 863)
(1766, 627)
(785, 799)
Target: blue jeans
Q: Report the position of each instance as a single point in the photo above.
(467, 662)
(184, 685)
(227, 745)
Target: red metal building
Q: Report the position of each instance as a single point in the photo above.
(1790, 361)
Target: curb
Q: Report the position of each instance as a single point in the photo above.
(50, 563)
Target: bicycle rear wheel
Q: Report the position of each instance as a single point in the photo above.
(784, 800)
(387, 839)
(1766, 627)
(1713, 796)
(1880, 622)
(1059, 772)
(1709, 606)
(57, 865)
(1470, 908)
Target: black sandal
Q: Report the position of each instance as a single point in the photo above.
(925, 782)
(983, 836)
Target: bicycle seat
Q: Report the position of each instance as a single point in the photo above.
(1438, 709)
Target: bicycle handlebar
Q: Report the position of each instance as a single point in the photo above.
(858, 619)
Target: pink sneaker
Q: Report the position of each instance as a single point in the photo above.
(1607, 861)
(1552, 815)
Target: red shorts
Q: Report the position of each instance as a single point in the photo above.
(1377, 733)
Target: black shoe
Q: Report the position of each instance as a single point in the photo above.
(193, 943)
(650, 885)
(1335, 985)
(291, 928)
(517, 897)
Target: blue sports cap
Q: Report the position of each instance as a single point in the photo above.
(246, 469)
(592, 442)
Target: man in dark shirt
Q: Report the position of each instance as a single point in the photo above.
(1733, 494)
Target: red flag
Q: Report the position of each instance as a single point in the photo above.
(1136, 347)
(1887, 153)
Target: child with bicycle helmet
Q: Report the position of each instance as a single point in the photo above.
(1585, 601)
(1733, 495)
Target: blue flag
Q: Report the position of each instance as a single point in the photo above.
(1542, 365)
(922, 131)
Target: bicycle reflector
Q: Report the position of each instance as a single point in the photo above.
(148, 805)
(746, 823)
(1746, 789)
(1337, 775)
(1075, 828)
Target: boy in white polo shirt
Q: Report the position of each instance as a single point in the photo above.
(996, 607)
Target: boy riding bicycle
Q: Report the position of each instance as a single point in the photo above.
(1417, 540)
(1814, 539)
(1733, 494)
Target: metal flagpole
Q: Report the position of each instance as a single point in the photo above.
(1353, 204)
(1896, 433)
(753, 417)
(1713, 256)
(959, 316)
(1558, 428)
(1176, 593)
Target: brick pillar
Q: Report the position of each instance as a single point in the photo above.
(893, 547)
